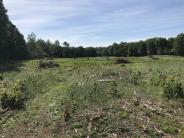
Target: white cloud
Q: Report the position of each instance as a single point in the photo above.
(98, 22)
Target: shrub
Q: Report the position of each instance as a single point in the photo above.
(121, 61)
(47, 64)
(173, 89)
(13, 97)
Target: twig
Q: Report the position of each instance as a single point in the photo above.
(106, 80)
(89, 127)
(3, 111)
(159, 131)
(93, 76)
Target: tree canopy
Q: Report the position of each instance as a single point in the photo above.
(12, 43)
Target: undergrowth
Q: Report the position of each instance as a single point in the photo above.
(93, 97)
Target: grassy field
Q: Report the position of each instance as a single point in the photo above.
(94, 97)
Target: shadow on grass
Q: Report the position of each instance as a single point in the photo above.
(122, 61)
(9, 65)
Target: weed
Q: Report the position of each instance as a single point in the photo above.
(124, 115)
(135, 77)
(173, 89)
(85, 102)
(158, 79)
(114, 90)
(170, 130)
(76, 125)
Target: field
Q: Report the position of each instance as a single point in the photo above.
(94, 97)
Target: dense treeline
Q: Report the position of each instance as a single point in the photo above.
(13, 45)
(39, 48)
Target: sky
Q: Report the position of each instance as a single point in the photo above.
(97, 22)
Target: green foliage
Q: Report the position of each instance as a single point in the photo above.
(76, 125)
(151, 47)
(178, 48)
(36, 84)
(91, 100)
(124, 115)
(158, 79)
(114, 90)
(95, 94)
(39, 48)
(90, 93)
(66, 44)
(14, 97)
(173, 89)
(170, 130)
(135, 77)
(12, 43)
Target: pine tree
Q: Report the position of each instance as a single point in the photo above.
(12, 43)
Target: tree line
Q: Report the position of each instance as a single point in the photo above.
(13, 46)
(39, 48)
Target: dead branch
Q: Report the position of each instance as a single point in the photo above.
(160, 132)
(93, 76)
(2, 111)
(106, 80)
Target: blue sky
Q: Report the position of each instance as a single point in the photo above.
(97, 22)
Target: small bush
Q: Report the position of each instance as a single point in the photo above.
(122, 61)
(13, 97)
(173, 89)
(47, 64)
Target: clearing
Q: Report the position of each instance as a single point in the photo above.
(94, 97)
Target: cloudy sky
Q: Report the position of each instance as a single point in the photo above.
(97, 22)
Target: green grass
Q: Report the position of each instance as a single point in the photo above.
(99, 97)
